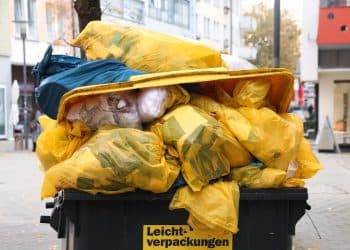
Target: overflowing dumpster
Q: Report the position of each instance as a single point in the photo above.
(267, 220)
(146, 148)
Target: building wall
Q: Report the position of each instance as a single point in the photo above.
(62, 21)
(309, 47)
(119, 12)
(168, 28)
(330, 96)
(171, 28)
(5, 28)
(214, 10)
(211, 13)
(52, 23)
(5, 63)
(334, 23)
(5, 80)
(340, 90)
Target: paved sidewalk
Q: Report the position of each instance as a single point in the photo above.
(327, 225)
(20, 206)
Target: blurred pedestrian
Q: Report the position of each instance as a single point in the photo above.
(36, 128)
(310, 110)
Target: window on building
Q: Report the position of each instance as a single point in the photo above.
(206, 27)
(330, 3)
(225, 31)
(55, 20)
(160, 9)
(61, 20)
(334, 58)
(112, 7)
(217, 3)
(182, 13)
(25, 10)
(175, 12)
(132, 10)
(50, 21)
(156, 4)
(18, 15)
(216, 31)
(197, 24)
(32, 19)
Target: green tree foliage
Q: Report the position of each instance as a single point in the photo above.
(262, 38)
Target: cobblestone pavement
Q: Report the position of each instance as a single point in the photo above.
(326, 226)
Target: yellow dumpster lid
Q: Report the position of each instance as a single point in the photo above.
(281, 79)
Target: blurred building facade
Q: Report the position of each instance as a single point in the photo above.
(212, 23)
(216, 23)
(325, 60)
(48, 22)
(175, 17)
(5, 66)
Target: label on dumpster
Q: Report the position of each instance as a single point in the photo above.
(175, 237)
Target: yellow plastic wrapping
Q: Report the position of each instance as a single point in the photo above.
(239, 126)
(308, 164)
(144, 49)
(47, 123)
(114, 161)
(214, 209)
(205, 147)
(57, 143)
(247, 93)
(293, 182)
(256, 177)
(280, 93)
(274, 139)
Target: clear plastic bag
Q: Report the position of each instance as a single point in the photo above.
(118, 109)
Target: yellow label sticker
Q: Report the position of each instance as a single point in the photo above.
(176, 237)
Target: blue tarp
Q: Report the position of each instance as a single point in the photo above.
(67, 73)
(53, 64)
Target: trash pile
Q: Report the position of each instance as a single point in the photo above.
(112, 125)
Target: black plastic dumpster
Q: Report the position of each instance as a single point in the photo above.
(267, 219)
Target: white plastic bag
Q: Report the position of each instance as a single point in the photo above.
(152, 103)
(236, 63)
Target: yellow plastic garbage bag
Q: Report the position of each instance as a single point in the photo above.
(256, 177)
(205, 147)
(293, 182)
(275, 139)
(214, 209)
(239, 126)
(307, 165)
(272, 138)
(47, 123)
(58, 142)
(144, 49)
(250, 93)
(114, 161)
